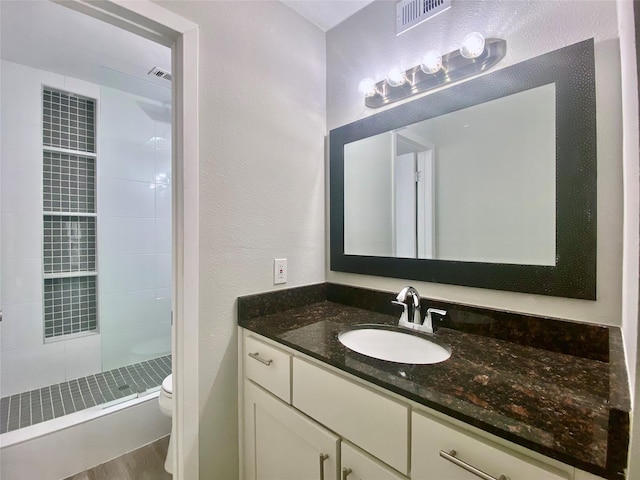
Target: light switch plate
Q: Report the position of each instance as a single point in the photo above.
(279, 271)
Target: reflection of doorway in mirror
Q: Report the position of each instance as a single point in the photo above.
(413, 197)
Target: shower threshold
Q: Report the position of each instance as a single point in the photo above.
(106, 388)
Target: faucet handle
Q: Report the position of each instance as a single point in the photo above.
(437, 311)
(404, 318)
(428, 324)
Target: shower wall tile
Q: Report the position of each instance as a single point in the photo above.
(164, 292)
(127, 161)
(81, 87)
(126, 273)
(38, 366)
(163, 270)
(82, 356)
(21, 178)
(127, 198)
(21, 325)
(163, 127)
(163, 201)
(70, 305)
(163, 235)
(21, 235)
(18, 146)
(127, 236)
(162, 310)
(21, 92)
(21, 280)
(134, 345)
(120, 311)
(127, 117)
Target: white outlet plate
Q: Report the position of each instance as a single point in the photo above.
(279, 271)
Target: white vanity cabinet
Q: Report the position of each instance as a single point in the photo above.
(441, 451)
(304, 420)
(282, 444)
(376, 423)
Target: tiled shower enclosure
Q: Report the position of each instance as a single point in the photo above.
(86, 243)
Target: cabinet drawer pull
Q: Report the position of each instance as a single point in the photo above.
(346, 472)
(260, 359)
(451, 456)
(323, 457)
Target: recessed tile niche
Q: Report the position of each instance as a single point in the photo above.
(69, 213)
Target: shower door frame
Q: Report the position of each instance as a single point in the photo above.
(181, 35)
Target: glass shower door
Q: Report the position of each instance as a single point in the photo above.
(134, 219)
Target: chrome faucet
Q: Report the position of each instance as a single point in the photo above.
(409, 299)
(402, 299)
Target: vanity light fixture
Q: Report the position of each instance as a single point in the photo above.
(367, 87)
(475, 56)
(396, 77)
(431, 62)
(472, 45)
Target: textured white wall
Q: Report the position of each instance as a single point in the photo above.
(262, 126)
(368, 196)
(365, 45)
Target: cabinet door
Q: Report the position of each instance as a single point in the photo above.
(282, 444)
(357, 465)
(376, 423)
(430, 437)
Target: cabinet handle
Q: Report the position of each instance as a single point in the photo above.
(346, 472)
(260, 359)
(323, 457)
(451, 456)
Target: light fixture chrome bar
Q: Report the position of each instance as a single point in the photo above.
(454, 67)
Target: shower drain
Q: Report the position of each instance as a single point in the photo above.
(123, 387)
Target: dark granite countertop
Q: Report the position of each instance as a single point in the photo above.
(563, 406)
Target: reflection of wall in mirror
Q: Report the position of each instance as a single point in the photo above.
(367, 196)
(413, 189)
(495, 180)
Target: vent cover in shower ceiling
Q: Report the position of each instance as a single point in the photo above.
(410, 13)
(160, 73)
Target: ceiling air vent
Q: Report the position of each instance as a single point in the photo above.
(158, 72)
(410, 13)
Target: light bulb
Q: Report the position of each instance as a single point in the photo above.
(431, 62)
(367, 87)
(472, 45)
(396, 77)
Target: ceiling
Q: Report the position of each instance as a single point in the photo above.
(48, 36)
(326, 14)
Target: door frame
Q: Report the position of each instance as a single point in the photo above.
(155, 23)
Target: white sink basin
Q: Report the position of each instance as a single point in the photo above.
(393, 344)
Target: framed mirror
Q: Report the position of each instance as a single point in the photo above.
(490, 183)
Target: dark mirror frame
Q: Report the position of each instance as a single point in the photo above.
(572, 69)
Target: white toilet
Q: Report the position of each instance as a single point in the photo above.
(165, 400)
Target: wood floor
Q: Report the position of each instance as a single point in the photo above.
(146, 463)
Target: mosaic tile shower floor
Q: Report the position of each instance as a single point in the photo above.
(28, 408)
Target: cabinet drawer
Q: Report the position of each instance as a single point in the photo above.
(429, 437)
(361, 466)
(374, 422)
(269, 367)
